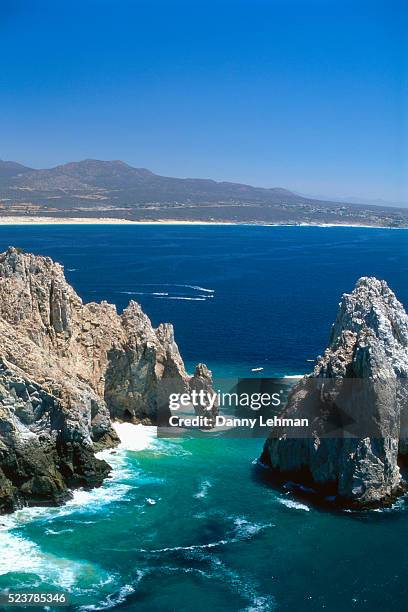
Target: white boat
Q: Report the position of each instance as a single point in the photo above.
(256, 369)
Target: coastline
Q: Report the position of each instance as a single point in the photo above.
(99, 221)
(30, 220)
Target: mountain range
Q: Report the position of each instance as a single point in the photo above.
(94, 188)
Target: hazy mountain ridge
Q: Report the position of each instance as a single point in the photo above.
(91, 174)
(116, 189)
(9, 169)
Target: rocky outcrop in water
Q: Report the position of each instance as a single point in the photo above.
(356, 403)
(66, 369)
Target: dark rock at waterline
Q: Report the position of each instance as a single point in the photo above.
(356, 404)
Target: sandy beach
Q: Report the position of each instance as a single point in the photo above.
(99, 221)
(32, 220)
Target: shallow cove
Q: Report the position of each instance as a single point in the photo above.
(187, 524)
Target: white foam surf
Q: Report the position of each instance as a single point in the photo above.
(246, 530)
(293, 376)
(114, 600)
(291, 503)
(20, 555)
(82, 501)
(92, 501)
(205, 485)
(135, 437)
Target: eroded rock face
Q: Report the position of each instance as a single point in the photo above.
(361, 381)
(66, 370)
(202, 381)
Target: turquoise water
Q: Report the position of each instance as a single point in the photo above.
(191, 524)
(188, 526)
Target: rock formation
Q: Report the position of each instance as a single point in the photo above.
(66, 369)
(356, 403)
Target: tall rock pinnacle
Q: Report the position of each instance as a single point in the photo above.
(356, 403)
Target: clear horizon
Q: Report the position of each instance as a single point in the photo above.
(297, 95)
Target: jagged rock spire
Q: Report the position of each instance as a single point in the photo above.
(362, 374)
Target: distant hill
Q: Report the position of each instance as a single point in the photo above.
(9, 169)
(113, 188)
(143, 184)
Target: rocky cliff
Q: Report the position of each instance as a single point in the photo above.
(66, 370)
(356, 403)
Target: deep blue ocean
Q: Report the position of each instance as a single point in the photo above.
(187, 525)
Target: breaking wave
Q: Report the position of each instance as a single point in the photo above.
(135, 437)
(20, 555)
(291, 503)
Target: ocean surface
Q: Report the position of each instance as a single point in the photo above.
(190, 525)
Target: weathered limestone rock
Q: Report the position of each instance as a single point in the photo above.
(202, 381)
(143, 369)
(356, 403)
(66, 369)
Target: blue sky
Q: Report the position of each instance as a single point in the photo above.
(303, 94)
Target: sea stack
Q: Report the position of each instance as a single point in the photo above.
(356, 403)
(66, 370)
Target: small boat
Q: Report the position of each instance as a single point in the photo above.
(256, 369)
(311, 360)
